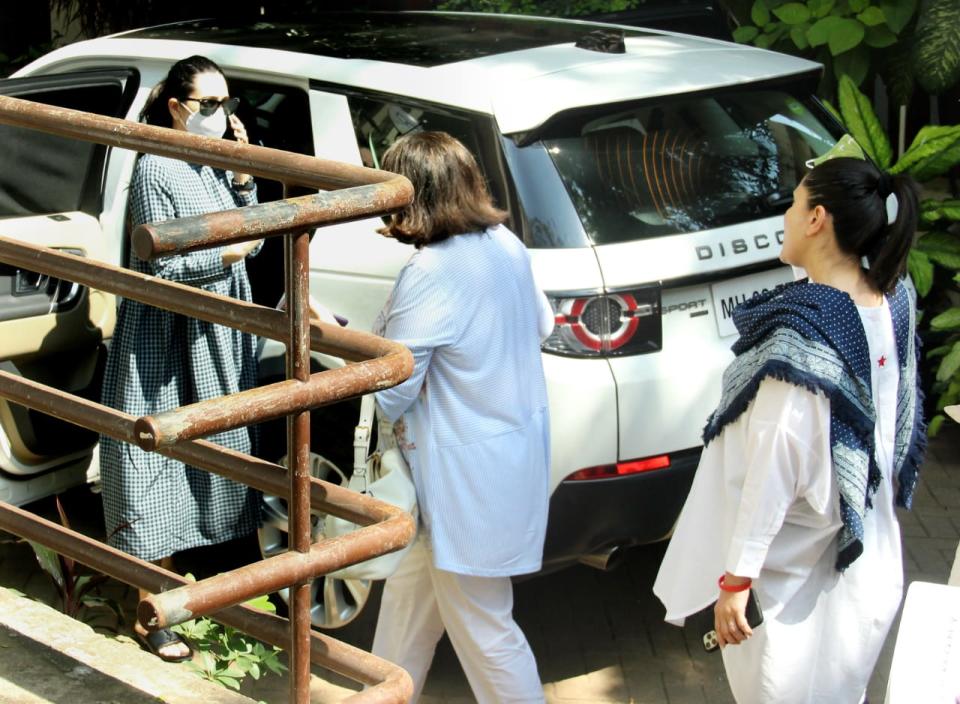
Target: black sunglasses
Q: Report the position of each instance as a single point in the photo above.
(208, 106)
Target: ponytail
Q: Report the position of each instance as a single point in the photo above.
(856, 194)
(888, 255)
(156, 112)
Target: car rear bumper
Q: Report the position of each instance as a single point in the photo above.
(591, 516)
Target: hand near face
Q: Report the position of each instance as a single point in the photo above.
(239, 131)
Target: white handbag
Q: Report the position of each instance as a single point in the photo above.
(383, 475)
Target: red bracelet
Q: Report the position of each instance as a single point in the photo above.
(739, 588)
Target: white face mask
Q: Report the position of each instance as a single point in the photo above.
(209, 126)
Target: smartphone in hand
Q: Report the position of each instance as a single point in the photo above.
(754, 618)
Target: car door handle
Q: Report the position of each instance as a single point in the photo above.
(26, 283)
(25, 293)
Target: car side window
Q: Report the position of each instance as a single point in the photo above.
(275, 116)
(42, 173)
(379, 122)
(278, 117)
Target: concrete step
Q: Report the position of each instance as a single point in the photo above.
(47, 657)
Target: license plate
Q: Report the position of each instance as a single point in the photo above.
(727, 295)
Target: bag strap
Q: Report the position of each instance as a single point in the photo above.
(361, 436)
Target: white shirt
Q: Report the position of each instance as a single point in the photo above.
(475, 424)
(764, 504)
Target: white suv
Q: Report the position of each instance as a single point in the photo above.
(648, 178)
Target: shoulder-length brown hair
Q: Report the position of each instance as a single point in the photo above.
(451, 196)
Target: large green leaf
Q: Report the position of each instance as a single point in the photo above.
(948, 320)
(792, 13)
(935, 424)
(932, 210)
(858, 5)
(879, 37)
(799, 36)
(262, 603)
(779, 33)
(897, 73)
(898, 13)
(950, 364)
(763, 41)
(759, 13)
(936, 57)
(862, 122)
(50, 562)
(745, 34)
(921, 271)
(941, 247)
(820, 8)
(872, 16)
(819, 33)
(934, 150)
(855, 64)
(833, 111)
(939, 351)
(847, 34)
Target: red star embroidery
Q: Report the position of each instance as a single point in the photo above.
(882, 360)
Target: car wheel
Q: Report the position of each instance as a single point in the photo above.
(334, 602)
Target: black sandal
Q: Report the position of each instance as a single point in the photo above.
(155, 640)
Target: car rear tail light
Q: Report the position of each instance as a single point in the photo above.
(620, 469)
(606, 324)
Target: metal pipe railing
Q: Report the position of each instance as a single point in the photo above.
(180, 298)
(266, 220)
(379, 364)
(388, 682)
(258, 473)
(286, 167)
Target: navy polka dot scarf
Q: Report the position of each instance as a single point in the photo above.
(811, 335)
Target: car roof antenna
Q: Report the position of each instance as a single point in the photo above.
(607, 41)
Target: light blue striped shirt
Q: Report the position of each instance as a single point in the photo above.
(475, 420)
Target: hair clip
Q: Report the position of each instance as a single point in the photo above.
(893, 208)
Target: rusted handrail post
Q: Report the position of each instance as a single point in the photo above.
(380, 364)
(296, 249)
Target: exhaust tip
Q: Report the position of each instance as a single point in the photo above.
(605, 560)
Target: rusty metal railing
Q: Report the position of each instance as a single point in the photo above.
(358, 193)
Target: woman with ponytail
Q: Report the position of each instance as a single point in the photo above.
(817, 436)
(155, 506)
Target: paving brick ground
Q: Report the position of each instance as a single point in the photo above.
(599, 637)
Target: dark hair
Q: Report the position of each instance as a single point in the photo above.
(451, 196)
(178, 84)
(855, 192)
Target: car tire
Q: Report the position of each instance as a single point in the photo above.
(335, 602)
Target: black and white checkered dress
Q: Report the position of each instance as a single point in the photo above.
(153, 505)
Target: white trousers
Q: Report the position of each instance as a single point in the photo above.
(421, 601)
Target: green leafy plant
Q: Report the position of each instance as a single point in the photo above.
(227, 656)
(934, 262)
(903, 42)
(844, 35)
(78, 591)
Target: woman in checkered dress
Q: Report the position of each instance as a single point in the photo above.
(155, 506)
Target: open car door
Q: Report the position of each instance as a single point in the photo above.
(52, 331)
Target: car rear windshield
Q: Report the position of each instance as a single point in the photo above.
(685, 165)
